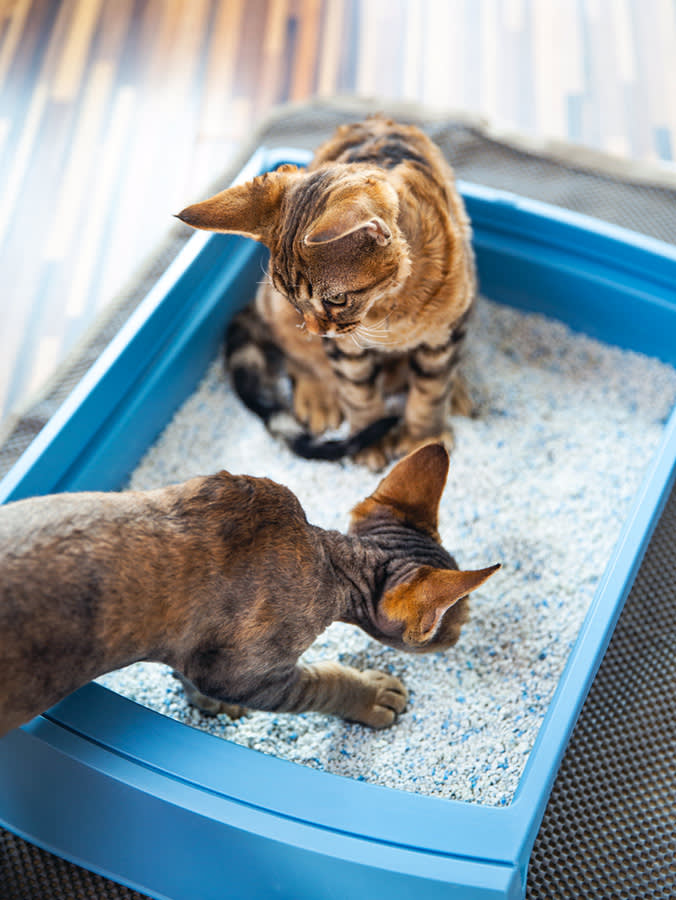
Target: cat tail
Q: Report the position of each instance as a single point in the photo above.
(256, 368)
(310, 447)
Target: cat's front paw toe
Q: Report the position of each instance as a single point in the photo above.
(403, 442)
(315, 406)
(211, 707)
(232, 711)
(400, 443)
(374, 458)
(387, 700)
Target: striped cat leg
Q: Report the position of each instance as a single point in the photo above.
(435, 386)
(370, 697)
(358, 382)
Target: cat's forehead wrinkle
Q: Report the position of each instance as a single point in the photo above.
(305, 202)
(402, 542)
(375, 510)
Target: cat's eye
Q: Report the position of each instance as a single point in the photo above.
(338, 300)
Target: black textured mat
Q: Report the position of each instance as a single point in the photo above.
(609, 829)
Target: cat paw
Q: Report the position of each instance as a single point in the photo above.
(217, 707)
(374, 458)
(211, 707)
(399, 443)
(402, 442)
(315, 406)
(461, 401)
(208, 705)
(385, 698)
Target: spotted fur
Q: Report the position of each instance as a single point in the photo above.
(370, 285)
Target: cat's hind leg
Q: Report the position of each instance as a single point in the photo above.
(208, 705)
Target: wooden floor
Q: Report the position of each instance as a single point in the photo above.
(115, 114)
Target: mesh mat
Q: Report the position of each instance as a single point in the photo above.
(608, 831)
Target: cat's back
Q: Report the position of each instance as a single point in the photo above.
(235, 508)
(37, 521)
(383, 143)
(233, 496)
(172, 532)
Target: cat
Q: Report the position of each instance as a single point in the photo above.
(371, 283)
(223, 579)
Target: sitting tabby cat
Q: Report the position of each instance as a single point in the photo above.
(371, 257)
(223, 578)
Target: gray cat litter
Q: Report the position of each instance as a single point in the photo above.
(542, 481)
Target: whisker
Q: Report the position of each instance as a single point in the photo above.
(381, 322)
(376, 329)
(371, 338)
(373, 330)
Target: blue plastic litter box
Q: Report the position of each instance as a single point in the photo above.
(177, 813)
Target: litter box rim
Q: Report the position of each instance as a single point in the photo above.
(99, 739)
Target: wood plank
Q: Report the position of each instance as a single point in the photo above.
(550, 107)
(666, 27)
(26, 122)
(490, 71)
(369, 49)
(249, 53)
(412, 72)
(15, 18)
(381, 44)
(74, 185)
(274, 41)
(68, 77)
(219, 83)
(331, 48)
(92, 243)
(444, 61)
(303, 81)
(138, 223)
(20, 163)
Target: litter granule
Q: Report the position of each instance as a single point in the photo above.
(541, 481)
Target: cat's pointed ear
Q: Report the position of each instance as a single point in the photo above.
(251, 209)
(413, 488)
(419, 605)
(342, 219)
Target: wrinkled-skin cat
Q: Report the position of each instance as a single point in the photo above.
(371, 282)
(223, 578)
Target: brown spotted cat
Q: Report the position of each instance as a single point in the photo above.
(371, 281)
(224, 579)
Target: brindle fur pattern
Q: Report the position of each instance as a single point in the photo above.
(371, 281)
(223, 578)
